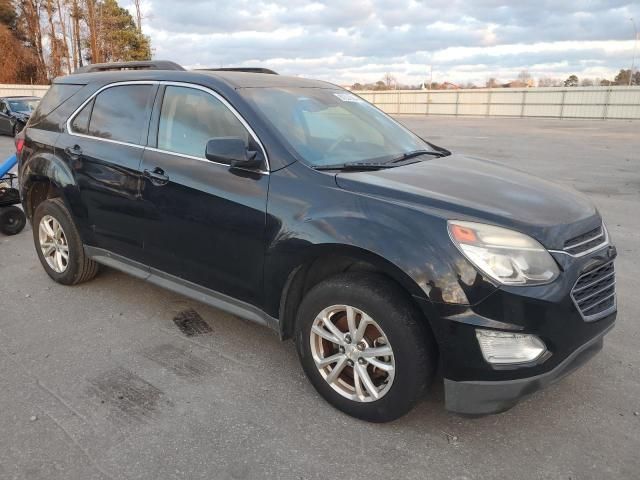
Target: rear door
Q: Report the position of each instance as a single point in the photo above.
(103, 144)
(208, 219)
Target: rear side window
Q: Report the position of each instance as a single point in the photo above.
(57, 94)
(190, 118)
(120, 113)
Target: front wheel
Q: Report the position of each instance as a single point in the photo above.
(364, 347)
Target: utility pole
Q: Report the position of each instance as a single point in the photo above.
(635, 47)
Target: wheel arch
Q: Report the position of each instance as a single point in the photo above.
(324, 261)
(45, 176)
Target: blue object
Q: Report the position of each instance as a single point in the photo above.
(7, 165)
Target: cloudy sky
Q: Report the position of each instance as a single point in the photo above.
(345, 41)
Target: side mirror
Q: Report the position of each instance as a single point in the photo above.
(232, 151)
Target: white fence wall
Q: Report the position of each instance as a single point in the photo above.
(8, 90)
(554, 102)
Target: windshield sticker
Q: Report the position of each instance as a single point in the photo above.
(349, 97)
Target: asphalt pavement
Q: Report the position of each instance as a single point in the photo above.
(98, 382)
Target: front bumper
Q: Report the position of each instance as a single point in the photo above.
(487, 397)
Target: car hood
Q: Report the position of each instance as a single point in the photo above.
(22, 115)
(462, 187)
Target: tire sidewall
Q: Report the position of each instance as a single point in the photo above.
(56, 209)
(15, 228)
(412, 364)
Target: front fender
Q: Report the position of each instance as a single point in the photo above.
(310, 215)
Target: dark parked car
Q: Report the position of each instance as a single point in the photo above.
(300, 206)
(15, 113)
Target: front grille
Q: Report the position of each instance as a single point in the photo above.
(585, 242)
(595, 292)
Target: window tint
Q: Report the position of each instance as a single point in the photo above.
(3, 107)
(190, 118)
(120, 113)
(80, 123)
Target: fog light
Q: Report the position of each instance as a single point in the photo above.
(504, 347)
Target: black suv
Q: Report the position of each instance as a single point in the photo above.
(298, 205)
(15, 113)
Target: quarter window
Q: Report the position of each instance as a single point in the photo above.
(80, 123)
(119, 113)
(190, 118)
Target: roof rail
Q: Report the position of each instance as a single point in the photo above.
(240, 69)
(145, 65)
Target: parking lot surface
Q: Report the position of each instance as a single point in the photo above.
(98, 382)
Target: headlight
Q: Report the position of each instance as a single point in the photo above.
(508, 257)
(500, 348)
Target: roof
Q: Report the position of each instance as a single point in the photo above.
(232, 79)
(21, 97)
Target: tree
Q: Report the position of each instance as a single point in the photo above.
(30, 32)
(357, 86)
(549, 82)
(572, 81)
(525, 77)
(586, 82)
(492, 83)
(119, 38)
(380, 85)
(605, 83)
(622, 78)
(390, 81)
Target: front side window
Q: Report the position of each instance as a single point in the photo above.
(3, 107)
(190, 118)
(327, 126)
(120, 113)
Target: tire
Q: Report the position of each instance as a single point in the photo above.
(402, 329)
(78, 267)
(12, 220)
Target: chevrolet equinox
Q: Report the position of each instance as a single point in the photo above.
(298, 205)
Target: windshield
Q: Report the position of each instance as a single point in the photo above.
(327, 127)
(25, 106)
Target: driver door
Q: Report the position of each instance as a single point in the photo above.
(207, 219)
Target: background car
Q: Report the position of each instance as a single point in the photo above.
(15, 113)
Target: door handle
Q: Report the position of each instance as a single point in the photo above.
(156, 176)
(73, 152)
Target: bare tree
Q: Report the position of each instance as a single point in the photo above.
(29, 18)
(94, 30)
(55, 68)
(492, 83)
(64, 43)
(136, 3)
(390, 81)
(76, 15)
(549, 82)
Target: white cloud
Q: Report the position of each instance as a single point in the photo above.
(360, 40)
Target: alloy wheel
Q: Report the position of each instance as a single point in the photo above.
(53, 244)
(352, 353)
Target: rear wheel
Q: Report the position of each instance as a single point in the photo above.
(363, 346)
(59, 246)
(12, 220)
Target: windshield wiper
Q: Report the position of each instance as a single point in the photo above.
(353, 166)
(416, 153)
